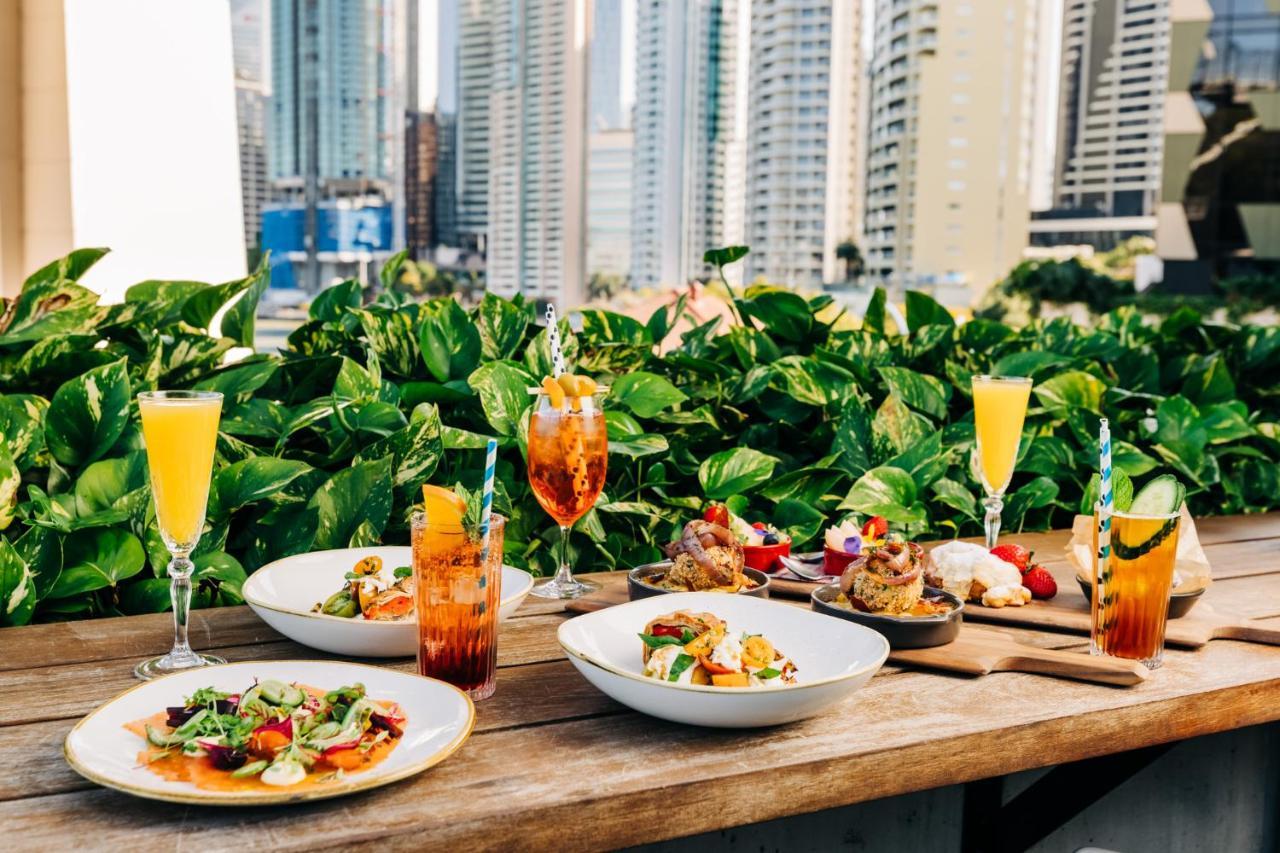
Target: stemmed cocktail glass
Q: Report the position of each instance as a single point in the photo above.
(999, 408)
(180, 429)
(568, 453)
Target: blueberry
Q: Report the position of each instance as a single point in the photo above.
(771, 539)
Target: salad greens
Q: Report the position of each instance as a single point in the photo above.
(276, 731)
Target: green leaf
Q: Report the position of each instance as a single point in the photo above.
(1209, 382)
(924, 310)
(389, 273)
(782, 312)
(149, 595)
(95, 559)
(449, 341)
(886, 491)
(353, 506)
(391, 335)
(240, 379)
(813, 382)
(1126, 457)
(252, 480)
(636, 446)
(1121, 490)
(1226, 422)
(898, 427)
(88, 414)
(735, 471)
(353, 382)
(332, 302)
(853, 438)
(41, 549)
(501, 326)
(873, 317)
(1074, 389)
(725, 256)
(10, 480)
(798, 520)
(22, 426)
(918, 390)
(105, 483)
(503, 390)
(416, 449)
(238, 321)
(645, 394)
(1027, 363)
(220, 569)
(1038, 493)
(956, 496)
(809, 485)
(17, 587)
(1180, 431)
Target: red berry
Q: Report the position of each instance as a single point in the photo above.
(1015, 554)
(1040, 582)
(875, 528)
(717, 514)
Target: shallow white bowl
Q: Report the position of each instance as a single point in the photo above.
(283, 593)
(833, 658)
(439, 719)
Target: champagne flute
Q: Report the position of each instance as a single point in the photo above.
(568, 454)
(180, 429)
(999, 408)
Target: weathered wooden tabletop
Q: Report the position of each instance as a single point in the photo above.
(553, 762)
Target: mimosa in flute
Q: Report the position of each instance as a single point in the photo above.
(999, 408)
(180, 429)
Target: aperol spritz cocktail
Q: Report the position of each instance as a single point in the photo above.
(1129, 616)
(568, 455)
(999, 408)
(457, 578)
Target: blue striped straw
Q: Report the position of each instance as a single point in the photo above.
(1107, 501)
(486, 500)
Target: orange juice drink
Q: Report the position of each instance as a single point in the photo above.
(180, 434)
(999, 408)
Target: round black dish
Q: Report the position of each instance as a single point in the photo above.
(902, 632)
(638, 588)
(1180, 603)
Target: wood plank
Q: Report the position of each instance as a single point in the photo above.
(590, 772)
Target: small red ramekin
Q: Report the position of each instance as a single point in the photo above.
(765, 557)
(835, 562)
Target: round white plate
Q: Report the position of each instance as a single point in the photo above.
(283, 593)
(439, 719)
(833, 658)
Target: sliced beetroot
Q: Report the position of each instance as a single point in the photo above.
(340, 747)
(390, 722)
(284, 727)
(222, 756)
(178, 715)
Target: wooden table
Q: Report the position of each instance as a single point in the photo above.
(553, 763)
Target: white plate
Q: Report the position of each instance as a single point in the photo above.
(833, 658)
(439, 719)
(283, 593)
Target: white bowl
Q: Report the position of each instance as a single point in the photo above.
(283, 593)
(833, 658)
(439, 718)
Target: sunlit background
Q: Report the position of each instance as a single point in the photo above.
(591, 152)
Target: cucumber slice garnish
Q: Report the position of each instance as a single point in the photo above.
(1162, 496)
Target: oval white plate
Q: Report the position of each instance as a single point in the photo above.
(833, 658)
(439, 719)
(282, 593)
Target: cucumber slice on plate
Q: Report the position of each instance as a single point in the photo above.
(1162, 496)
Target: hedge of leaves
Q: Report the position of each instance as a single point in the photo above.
(792, 413)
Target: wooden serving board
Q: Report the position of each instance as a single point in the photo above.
(1069, 611)
(978, 650)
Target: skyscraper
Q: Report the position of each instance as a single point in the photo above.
(688, 169)
(476, 22)
(605, 91)
(949, 156)
(1115, 66)
(446, 196)
(609, 203)
(421, 148)
(331, 72)
(248, 44)
(802, 148)
(537, 149)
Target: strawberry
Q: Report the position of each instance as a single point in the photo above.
(1015, 554)
(717, 514)
(1040, 582)
(875, 528)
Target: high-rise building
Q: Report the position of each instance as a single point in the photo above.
(949, 153)
(1219, 210)
(688, 167)
(331, 73)
(420, 177)
(609, 203)
(605, 90)
(803, 140)
(446, 197)
(537, 150)
(248, 45)
(476, 22)
(1115, 61)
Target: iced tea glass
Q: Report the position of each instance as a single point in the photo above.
(568, 454)
(1129, 617)
(457, 576)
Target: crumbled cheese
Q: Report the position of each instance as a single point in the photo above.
(660, 663)
(728, 653)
